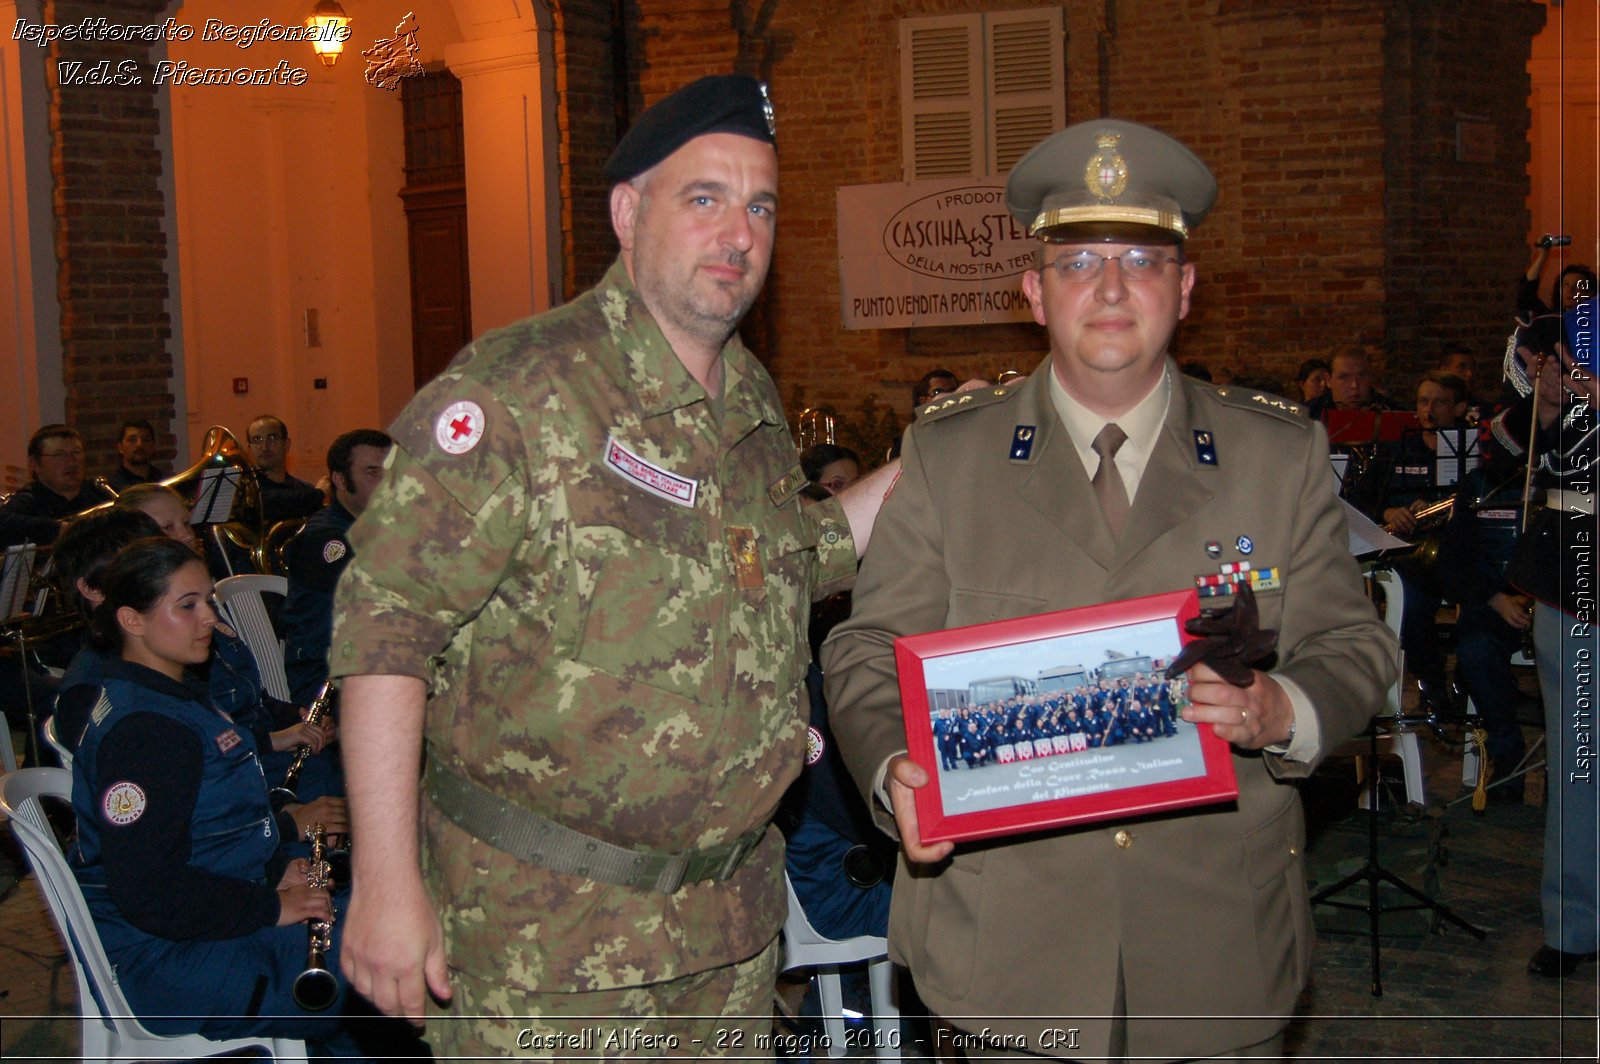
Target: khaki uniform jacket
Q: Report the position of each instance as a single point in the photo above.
(1207, 909)
(553, 549)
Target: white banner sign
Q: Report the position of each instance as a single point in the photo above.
(930, 253)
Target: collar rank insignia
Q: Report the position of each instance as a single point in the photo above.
(787, 486)
(1205, 447)
(1022, 443)
(1107, 173)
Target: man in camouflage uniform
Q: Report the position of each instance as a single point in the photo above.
(585, 581)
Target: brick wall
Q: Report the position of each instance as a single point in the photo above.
(1455, 228)
(586, 100)
(1344, 216)
(111, 249)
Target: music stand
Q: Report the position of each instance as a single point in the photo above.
(1374, 873)
(1455, 455)
(16, 579)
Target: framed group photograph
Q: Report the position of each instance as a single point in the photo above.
(1057, 719)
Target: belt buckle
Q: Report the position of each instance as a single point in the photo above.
(672, 874)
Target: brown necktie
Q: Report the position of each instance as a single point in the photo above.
(1108, 487)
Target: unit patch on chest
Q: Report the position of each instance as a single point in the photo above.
(662, 483)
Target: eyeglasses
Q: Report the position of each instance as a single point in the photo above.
(271, 437)
(75, 455)
(1082, 267)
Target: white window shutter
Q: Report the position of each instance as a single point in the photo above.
(941, 97)
(1027, 98)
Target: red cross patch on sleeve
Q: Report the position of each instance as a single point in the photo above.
(459, 427)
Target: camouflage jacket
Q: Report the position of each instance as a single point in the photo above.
(607, 590)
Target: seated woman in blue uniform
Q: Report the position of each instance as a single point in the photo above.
(235, 680)
(188, 872)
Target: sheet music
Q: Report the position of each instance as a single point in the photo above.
(214, 503)
(1341, 464)
(18, 574)
(1456, 452)
(1366, 536)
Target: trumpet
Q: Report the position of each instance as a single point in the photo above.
(320, 707)
(316, 988)
(1429, 517)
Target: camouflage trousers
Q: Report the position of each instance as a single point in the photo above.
(723, 1012)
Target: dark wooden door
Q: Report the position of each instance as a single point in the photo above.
(435, 198)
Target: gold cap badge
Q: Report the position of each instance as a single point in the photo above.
(1106, 176)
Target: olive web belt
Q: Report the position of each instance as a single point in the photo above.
(527, 836)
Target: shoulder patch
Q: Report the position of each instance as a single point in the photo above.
(815, 746)
(123, 803)
(333, 550)
(1262, 402)
(459, 427)
(949, 405)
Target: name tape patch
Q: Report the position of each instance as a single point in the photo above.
(649, 476)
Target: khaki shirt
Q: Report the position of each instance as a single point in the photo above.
(607, 589)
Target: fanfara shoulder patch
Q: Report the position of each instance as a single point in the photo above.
(228, 740)
(947, 405)
(459, 428)
(333, 550)
(123, 803)
(815, 747)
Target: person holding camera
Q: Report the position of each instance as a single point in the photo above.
(1568, 283)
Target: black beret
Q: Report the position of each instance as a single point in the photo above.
(721, 103)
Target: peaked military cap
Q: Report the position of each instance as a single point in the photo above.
(720, 103)
(1107, 178)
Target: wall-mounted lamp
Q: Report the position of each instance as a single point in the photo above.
(329, 19)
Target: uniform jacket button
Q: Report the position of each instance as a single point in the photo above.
(1123, 839)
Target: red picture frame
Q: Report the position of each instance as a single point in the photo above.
(1027, 672)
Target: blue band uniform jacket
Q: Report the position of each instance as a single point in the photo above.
(1207, 910)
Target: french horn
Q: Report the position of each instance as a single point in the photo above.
(223, 492)
(816, 425)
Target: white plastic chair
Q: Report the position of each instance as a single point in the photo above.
(1396, 739)
(55, 742)
(246, 614)
(114, 1033)
(805, 947)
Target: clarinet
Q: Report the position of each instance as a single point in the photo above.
(320, 707)
(316, 988)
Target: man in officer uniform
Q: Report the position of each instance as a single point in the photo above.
(1202, 937)
(586, 581)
